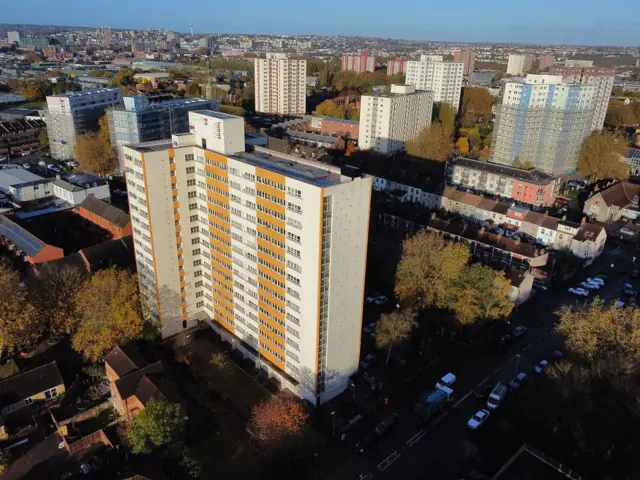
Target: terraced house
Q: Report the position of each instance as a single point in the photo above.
(271, 252)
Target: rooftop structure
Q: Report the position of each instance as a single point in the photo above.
(21, 242)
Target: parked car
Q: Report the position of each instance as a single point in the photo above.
(368, 360)
(385, 425)
(366, 443)
(478, 419)
(369, 328)
(619, 303)
(42, 163)
(590, 286)
(26, 165)
(557, 355)
(483, 391)
(597, 280)
(635, 274)
(539, 368)
(579, 291)
(519, 331)
(518, 381)
(373, 297)
(381, 300)
(447, 381)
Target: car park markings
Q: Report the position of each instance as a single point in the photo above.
(415, 438)
(482, 382)
(498, 369)
(439, 418)
(461, 400)
(543, 335)
(525, 348)
(384, 464)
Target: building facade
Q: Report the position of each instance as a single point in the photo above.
(545, 62)
(231, 238)
(444, 79)
(387, 121)
(467, 58)
(281, 84)
(519, 63)
(396, 66)
(529, 186)
(70, 114)
(20, 136)
(601, 78)
(543, 121)
(146, 118)
(359, 63)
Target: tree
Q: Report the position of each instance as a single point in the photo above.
(4, 461)
(94, 151)
(428, 268)
(600, 331)
(476, 105)
(54, 297)
(157, 424)
(447, 117)
(20, 327)
(110, 313)
(432, 143)
(330, 109)
(527, 165)
(43, 138)
(277, 419)
(600, 157)
(480, 292)
(462, 145)
(620, 115)
(193, 89)
(392, 328)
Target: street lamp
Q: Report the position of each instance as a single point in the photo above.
(333, 423)
(515, 372)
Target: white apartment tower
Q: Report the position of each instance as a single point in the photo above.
(519, 63)
(280, 84)
(271, 252)
(444, 79)
(543, 121)
(69, 114)
(387, 121)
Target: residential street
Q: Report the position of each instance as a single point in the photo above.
(447, 447)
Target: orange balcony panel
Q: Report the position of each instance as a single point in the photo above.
(181, 263)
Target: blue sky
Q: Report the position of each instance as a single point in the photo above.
(588, 22)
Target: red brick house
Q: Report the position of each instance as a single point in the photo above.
(106, 216)
(133, 381)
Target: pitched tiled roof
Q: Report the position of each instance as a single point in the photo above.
(104, 210)
(621, 194)
(29, 383)
(124, 362)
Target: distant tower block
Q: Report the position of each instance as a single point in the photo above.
(191, 30)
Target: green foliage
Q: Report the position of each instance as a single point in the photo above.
(393, 328)
(231, 110)
(95, 370)
(475, 106)
(190, 465)
(4, 461)
(523, 165)
(156, 425)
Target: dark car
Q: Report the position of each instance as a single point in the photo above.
(505, 341)
(635, 274)
(366, 443)
(385, 425)
(483, 392)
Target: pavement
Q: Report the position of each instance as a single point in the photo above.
(446, 448)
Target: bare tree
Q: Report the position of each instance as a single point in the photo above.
(394, 327)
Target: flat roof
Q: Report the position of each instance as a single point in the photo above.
(299, 171)
(86, 93)
(314, 137)
(12, 175)
(218, 115)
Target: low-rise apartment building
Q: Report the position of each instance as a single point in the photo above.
(75, 188)
(23, 186)
(106, 216)
(20, 136)
(609, 205)
(528, 186)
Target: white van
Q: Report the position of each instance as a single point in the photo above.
(497, 395)
(447, 381)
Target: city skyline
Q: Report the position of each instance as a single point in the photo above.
(568, 25)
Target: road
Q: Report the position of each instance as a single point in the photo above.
(446, 448)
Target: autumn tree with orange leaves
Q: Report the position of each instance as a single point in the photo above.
(20, 327)
(277, 419)
(110, 313)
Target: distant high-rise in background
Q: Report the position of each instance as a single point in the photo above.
(270, 252)
(444, 79)
(387, 121)
(70, 114)
(13, 37)
(209, 43)
(280, 84)
(396, 66)
(519, 63)
(146, 118)
(106, 36)
(466, 57)
(192, 30)
(601, 78)
(545, 62)
(359, 63)
(543, 121)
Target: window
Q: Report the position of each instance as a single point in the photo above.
(191, 169)
(49, 394)
(191, 183)
(28, 401)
